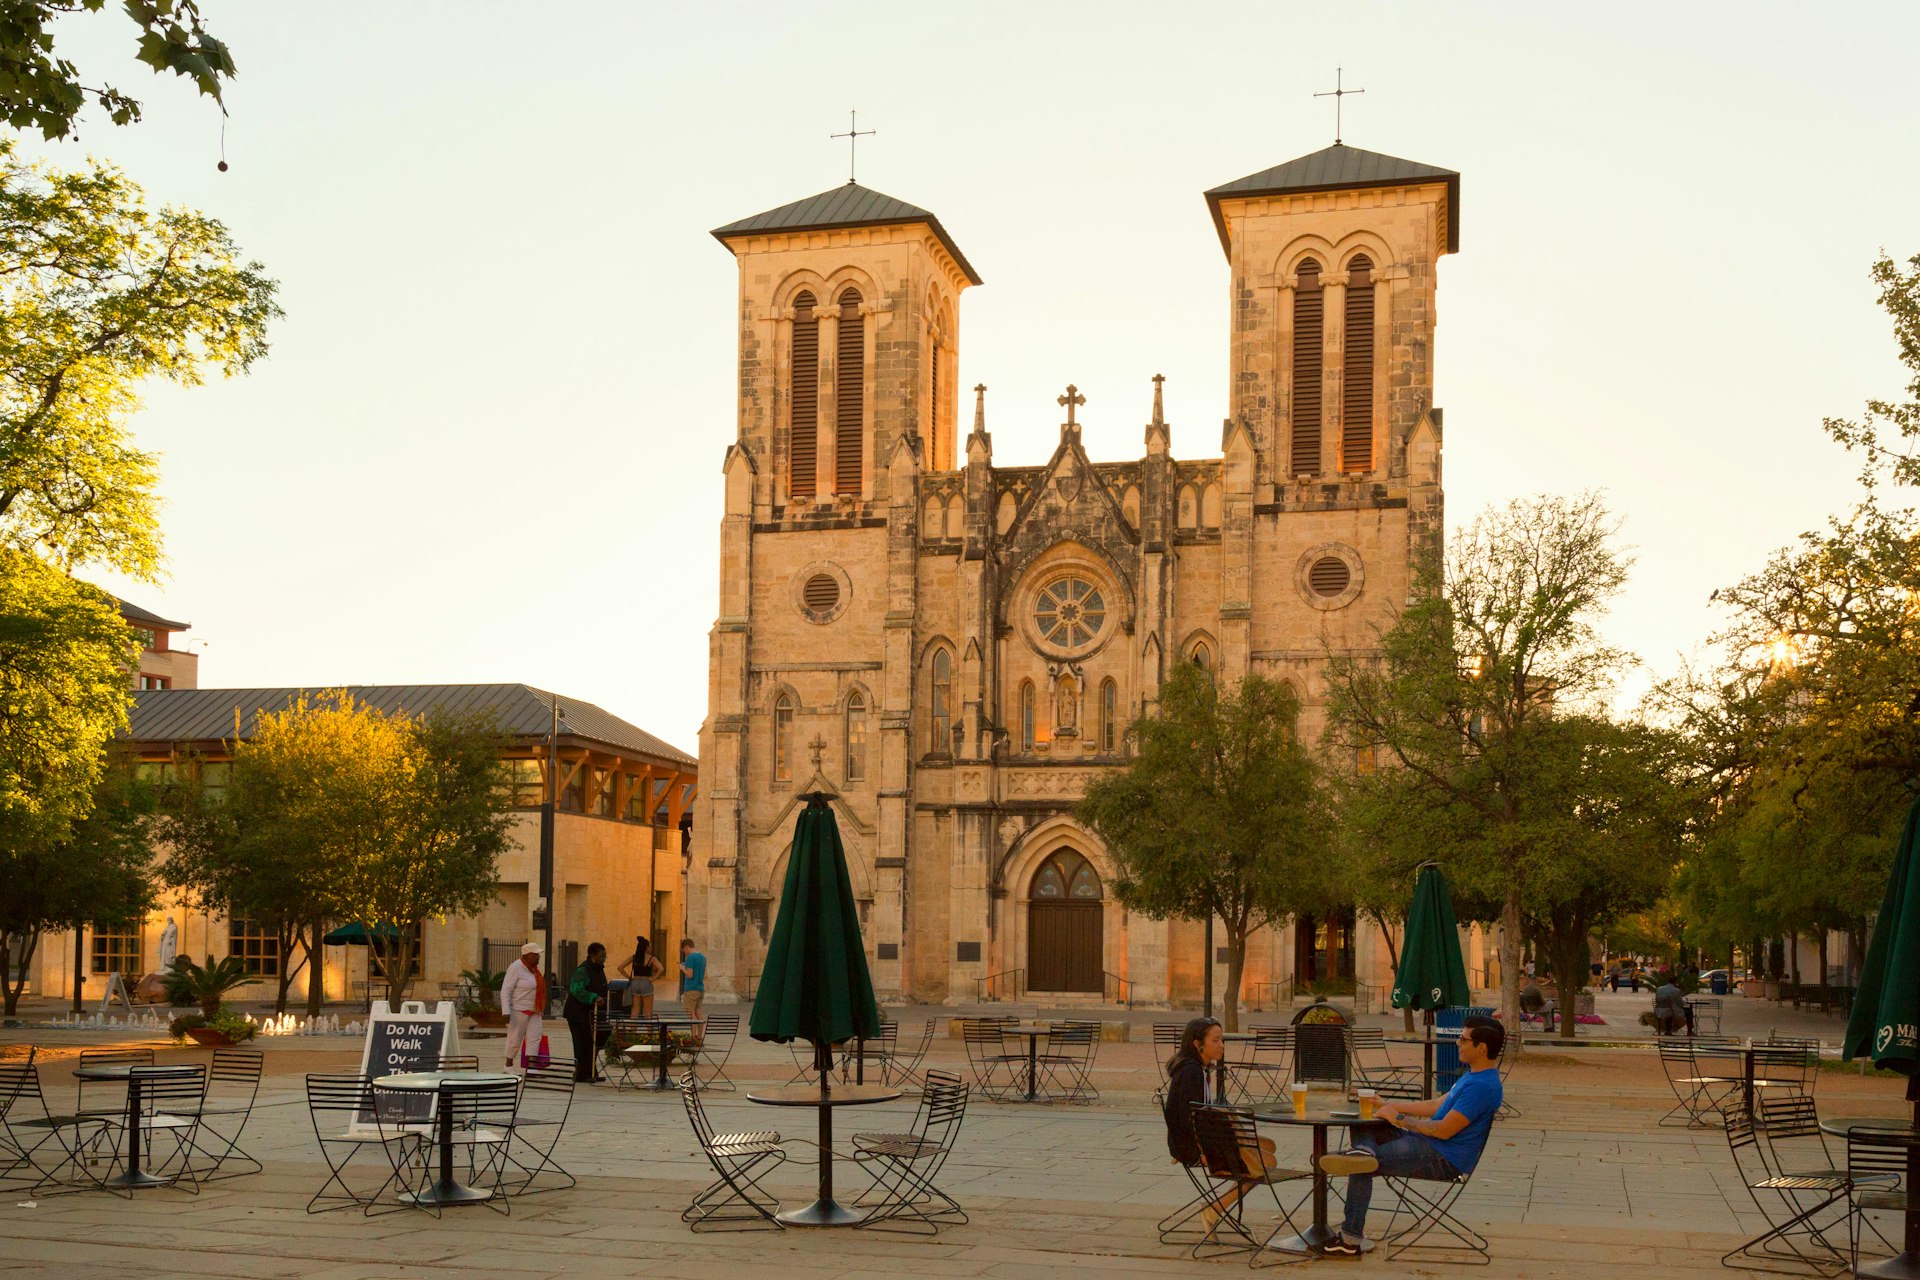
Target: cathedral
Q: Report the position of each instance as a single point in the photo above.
(951, 649)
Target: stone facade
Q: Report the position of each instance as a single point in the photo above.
(952, 649)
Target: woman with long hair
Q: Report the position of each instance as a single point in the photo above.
(640, 969)
(1193, 1079)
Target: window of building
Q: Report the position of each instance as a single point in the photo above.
(1356, 345)
(156, 773)
(783, 739)
(849, 394)
(116, 949)
(940, 701)
(521, 785)
(155, 682)
(639, 797)
(856, 737)
(803, 425)
(1109, 716)
(1203, 657)
(1308, 340)
(573, 793)
(1069, 612)
(214, 776)
(145, 637)
(256, 946)
(1026, 715)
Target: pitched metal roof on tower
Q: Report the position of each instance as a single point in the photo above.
(1340, 168)
(847, 205)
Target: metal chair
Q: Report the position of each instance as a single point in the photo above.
(1878, 1162)
(735, 1200)
(1429, 1212)
(1177, 1227)
(858, 1054)
(170, 1104)
(1797, 1237)
(1166, 1040)
(233, 1084)
(1263, 1076)
(905, 1067)
(1789, 1065)
(1068, 1061)
(27, 1125)
(458, 1062)
(1230, 1148)
(116, 1101)
(546, 1100)
(904, 1195)
(715, 1046)
(987, 1059)
(481, 1116)
(1701, 1073)
(1375, 1069)
(342, 1109)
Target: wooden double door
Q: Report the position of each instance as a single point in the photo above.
(1063, 946)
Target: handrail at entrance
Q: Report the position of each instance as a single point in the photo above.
(1117, 990)
(1007, 985)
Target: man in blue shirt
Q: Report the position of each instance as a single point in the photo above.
(693, 979)
(1438, 1139)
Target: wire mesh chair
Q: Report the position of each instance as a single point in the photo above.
(170, 1103)
(546, 1100)
(904, 1195)
(715, 1046)
(735, 1200)
(1068, 1062)
(1878, 1162)
(1178, 1227)
(1236, 1162)
(116, 1096)
(995, 1071)
(1429, 1208)
(1375, 1069)
(905, 1067)
(1264, 1075)
(856, 1055)
(27, 1126)
(481, 1118)
(1166, 1040)
(233, 1084)
(1703, 1073)
(1786, 1065)
(342, 1109)
(1795, 1234)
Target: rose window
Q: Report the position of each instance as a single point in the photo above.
(1069, 612)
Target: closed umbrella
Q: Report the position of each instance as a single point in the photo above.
(1432, 974)
(1886, 1011)
(814, 984)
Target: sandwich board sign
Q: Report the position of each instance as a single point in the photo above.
(412, 1039)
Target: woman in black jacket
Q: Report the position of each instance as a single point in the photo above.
(1192, 1079)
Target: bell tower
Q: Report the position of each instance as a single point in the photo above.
(1332, 312)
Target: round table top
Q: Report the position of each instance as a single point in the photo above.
(1315, 1116)
(1235, 1036)
(1435, 1038)
(1027, 1028)
(1844, 1125)
(429, 1081)
(125, 1070)
(846, 1095)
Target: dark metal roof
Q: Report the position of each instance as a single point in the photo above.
(140, 617)
(207, 715)
(850, 205)
(1340, 168)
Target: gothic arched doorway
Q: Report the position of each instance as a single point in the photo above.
(1064, 923)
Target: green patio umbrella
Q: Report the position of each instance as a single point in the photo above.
(1432, 974)
(1886, 1009)
(814, 984)
(356, 935)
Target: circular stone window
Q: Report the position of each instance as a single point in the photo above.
(820, 591)
(1330, 576)
(1069, 613)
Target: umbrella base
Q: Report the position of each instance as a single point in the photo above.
(1903, 1266)
(822, 1213)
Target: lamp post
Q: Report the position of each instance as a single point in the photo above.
(548, 810)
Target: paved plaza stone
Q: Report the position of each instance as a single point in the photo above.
(1582, 1183)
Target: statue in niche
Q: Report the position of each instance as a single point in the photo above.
(1066, 708)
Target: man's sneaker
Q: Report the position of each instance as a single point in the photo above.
(1339, 1246)
(1348, 1163)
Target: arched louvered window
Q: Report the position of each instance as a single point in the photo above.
(940, 701)
(1109, 716)
(1356, 344)
(803, 381)
(856, 737)
(936, 454)
(1026, 715)
(849, 394)
(783, 739)
(1309, 340)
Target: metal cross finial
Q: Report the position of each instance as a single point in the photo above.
(1338, 92)
(853, 136)
(1072, 398)
(817, 748)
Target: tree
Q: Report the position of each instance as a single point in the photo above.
(93, 870)
(98, 294)
(399, 813)
(39, 90)
(1219, 813)
(1500, 637)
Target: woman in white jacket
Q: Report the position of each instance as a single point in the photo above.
(523, 998)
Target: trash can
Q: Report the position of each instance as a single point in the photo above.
(1720, 984)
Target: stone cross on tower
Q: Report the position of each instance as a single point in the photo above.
(1071, 399)
(1338, 92)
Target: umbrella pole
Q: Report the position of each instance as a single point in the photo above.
(822, 1059)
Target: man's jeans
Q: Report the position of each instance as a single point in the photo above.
(1401, 1155)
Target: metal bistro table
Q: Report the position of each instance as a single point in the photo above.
(1322, 1119)
(661, 1049)
(1904, 1265)
(1032, 1031)
(447, 1189)
(825, 1211)
(135, 1074)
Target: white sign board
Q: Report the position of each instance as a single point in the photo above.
(414, 1039)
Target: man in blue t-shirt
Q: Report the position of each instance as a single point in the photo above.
(693, 980)
(1439, 1139)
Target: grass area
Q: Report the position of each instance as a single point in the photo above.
(1858, 1067)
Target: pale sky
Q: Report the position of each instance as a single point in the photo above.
(486, 444)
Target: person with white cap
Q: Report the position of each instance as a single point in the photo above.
(523, 998)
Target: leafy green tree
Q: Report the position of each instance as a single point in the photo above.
(40, 90)
(93, 870)
(1499, 639)
(98, 293)
(398, 813)
(1219, 813)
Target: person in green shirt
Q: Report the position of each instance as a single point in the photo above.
(586, 992)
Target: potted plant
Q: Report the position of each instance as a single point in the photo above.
(206, 985)
(483, 1000)
(225, 1028)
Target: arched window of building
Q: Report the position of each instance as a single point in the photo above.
(849, 394)
(803, 382)
(940, 701)
(1109, 716)
(1026, 715)
(1356, 344)
(856, 737)
(783, 739)
(1308, 342)
(1202, 657)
